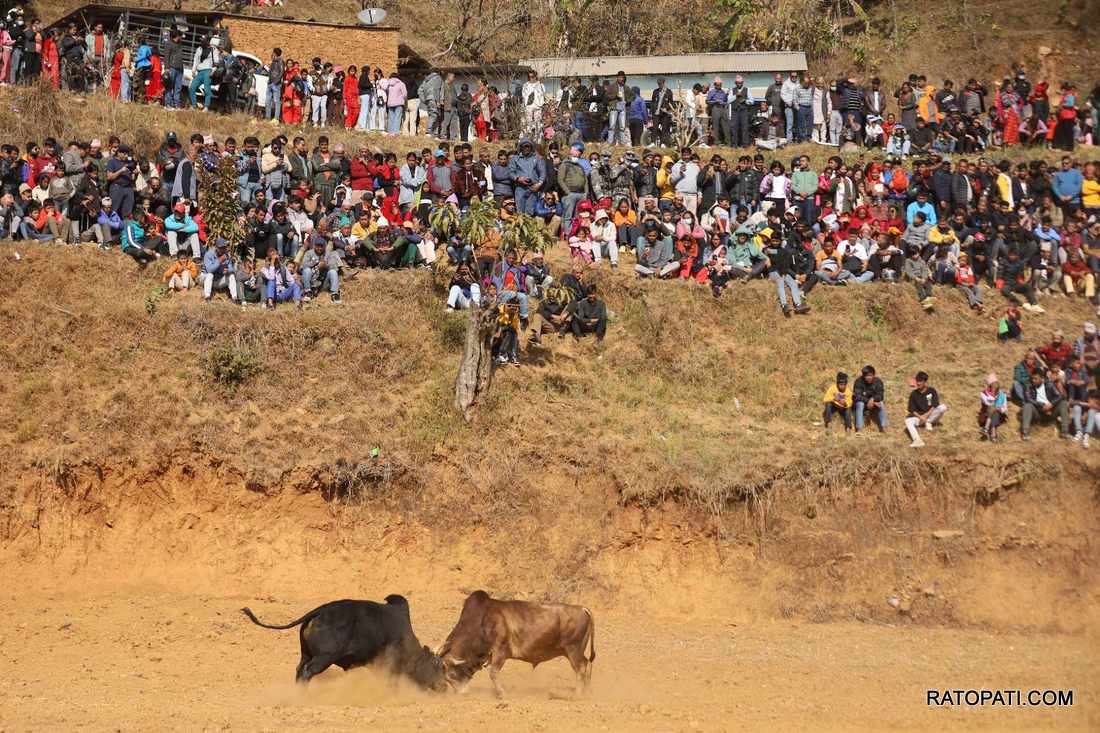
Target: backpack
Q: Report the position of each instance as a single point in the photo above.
(573, 177)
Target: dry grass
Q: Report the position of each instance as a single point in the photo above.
(690, 398)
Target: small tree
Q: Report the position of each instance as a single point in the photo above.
(221, 206)
(523, 234)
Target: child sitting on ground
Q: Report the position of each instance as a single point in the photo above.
(916, 271)
(182, 274)
(1009, 328)
(507, 336)
(994, 409)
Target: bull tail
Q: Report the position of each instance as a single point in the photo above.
(591, 636)
(291, 625)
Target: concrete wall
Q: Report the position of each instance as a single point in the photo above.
(342, 46)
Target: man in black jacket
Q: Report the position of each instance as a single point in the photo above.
(780, 263)
(869, 394)
(1043, 400)
(589, 316)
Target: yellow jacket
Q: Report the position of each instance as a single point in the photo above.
(176, 268)
(664, 179)
(832, 394)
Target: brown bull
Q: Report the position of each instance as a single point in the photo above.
(490, 632)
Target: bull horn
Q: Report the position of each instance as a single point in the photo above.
(457, 661)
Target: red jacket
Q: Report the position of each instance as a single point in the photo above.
(362, 174)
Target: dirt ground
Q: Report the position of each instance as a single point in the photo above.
(129, 658)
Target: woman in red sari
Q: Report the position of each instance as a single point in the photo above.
(51, 63)
(292, 97)
(154, 90)
(351, 98)
(116, 73)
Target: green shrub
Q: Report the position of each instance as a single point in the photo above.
(230, 368)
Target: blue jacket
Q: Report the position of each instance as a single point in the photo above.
(187, 225)
(1068, 183)
(211, 265)
(928, 210)
(638, 110)
(528, 166)
(143, 60)
(545, 212)
(112, 220)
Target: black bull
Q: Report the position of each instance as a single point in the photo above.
(355, 633)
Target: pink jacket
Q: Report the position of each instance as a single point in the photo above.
(396, 93)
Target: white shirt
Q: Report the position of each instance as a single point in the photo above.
(536, 92)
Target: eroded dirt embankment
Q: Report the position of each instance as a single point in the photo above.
(942, 543)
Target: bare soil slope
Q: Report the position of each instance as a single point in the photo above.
(672, 480)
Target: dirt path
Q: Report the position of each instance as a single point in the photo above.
(152, 660)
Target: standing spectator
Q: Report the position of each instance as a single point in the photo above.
(173, 62)
(925, 409)
(396, 96)
(533, 98)
(276, 70)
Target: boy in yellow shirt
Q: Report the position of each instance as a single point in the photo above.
(838, 400)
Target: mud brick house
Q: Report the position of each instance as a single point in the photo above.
(253, 34)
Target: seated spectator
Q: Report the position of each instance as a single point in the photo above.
(182, 274)
(253, 289)
(464, 290)
(554, 312)
(1021, 374)
(605, 239)
(779, 260)
(994, 408)
(827, 265)
(538, 274)
(1043, 400)
(656, 255)
(1009, 326)
(744, 257)
(924, 409)
(1077, 276)
(855, 256)
(218, 272)
(37, 224)
(1057, 352)
(1088, 348)
(589, 316)
(281, 282)
(181, 230)
(581, 245)
(321, 268)
(838, 401)
(510, 281)
(135, 243)
(917, 272)
(1092, 423)
(869, 395)
(506, 338)
(459, 252)
(1077, 394)
(967, 283)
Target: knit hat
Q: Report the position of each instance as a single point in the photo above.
(991, 379)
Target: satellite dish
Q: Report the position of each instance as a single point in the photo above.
(371, 16)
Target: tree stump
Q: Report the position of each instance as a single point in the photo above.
(475, 371)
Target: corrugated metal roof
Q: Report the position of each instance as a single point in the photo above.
(695, 63)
